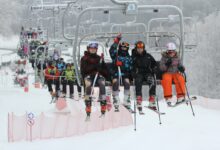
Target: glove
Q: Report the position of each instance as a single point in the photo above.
(155, 70)
(119, 63)
(117, 39)
(169, 62)
(181, 69)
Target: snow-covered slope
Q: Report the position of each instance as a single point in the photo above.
(179, 129)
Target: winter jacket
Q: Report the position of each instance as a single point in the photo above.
(123, 58)
(143, 63)
(173, 68)
(68, 75)
(51, 73)
(61, 67)
(90, 65)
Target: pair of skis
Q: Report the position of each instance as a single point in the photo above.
(185, 101)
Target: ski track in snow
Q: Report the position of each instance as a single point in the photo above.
(179, 129)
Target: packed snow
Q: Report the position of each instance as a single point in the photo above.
(179, 129)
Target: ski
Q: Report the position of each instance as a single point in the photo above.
(116, 110)
(53, 100)
(102, 116)
(87, 118)
(141, 113)
(129, 109)
(156, 111)
(185, 101)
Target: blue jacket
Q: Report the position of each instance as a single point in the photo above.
(124, 58)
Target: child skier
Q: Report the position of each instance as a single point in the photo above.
(121, 71)
(171, 65)
(144, 66)
(52, 77)
(68, 78)
(93, 69)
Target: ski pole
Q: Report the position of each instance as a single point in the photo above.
(96, 76)
(184, 94)
(187, 92)
(158, 108)
(135, 112)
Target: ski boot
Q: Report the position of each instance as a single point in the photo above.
(180, 100)
(71, 96)
(169, 102)
(139, 105)
(127, 103)
(88, 109)
(103, 104)
(63, 95)
(152, 104)
(116, 103)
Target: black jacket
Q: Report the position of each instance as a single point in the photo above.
(143, 63)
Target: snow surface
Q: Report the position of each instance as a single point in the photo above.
(179, 129)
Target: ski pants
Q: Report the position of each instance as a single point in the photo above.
(71, 86)
(100, 81)
(179, 82)
(139, 79)
(55, 82)
(115, 94)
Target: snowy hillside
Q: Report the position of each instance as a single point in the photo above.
(179, 129)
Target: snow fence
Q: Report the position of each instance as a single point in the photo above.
(59, 125)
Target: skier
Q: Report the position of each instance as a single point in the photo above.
(144, 67)
(172, 67)
(68, 78)
(121, 71)
(61, 65)
(93, 70)
(52, 77)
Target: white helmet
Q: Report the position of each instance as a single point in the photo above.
(171, 46)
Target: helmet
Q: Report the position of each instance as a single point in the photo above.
(171, 46)
(124, 45)
(93, 45)
(139, 44)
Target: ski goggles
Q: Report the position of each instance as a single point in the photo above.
(93, 45)
(171, 51)
(140, 45)
(124, 44)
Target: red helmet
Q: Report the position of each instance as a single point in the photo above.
(139, 44)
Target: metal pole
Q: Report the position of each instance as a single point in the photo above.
(142, 7)
(77, 33)
(180, 13)
(149, 26)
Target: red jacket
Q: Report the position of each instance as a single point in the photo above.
(52, 73)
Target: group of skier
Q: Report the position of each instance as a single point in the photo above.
(139, 67)
(58, 72)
